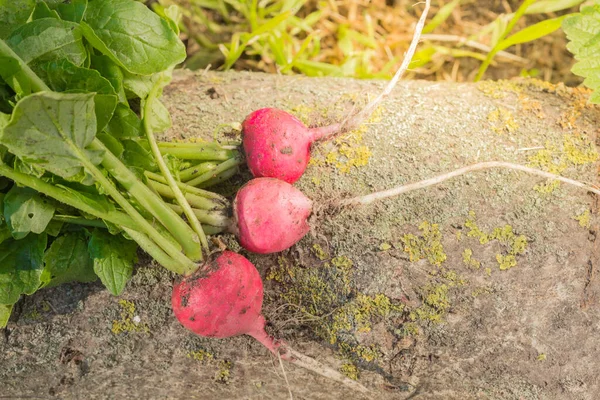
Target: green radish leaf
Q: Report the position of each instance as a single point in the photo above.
(161, 119)
(26, 211)
(52, 131)
(54, 227)
(532, 33)
(21, 267)
(72, 10)
(124, 123)
(12, 73)
(48, 39)
(583, 32)
(14, 13)
(111, 143)
(549, 6)
(114, 258)
(111, 71)
(67, 260)
(4, 229)
(139, 85)
(64, 76)
(6, 98)
(5, 311)
(132, 36)
(441, 16)
(43, 11)
(138, 157)
(87, 195)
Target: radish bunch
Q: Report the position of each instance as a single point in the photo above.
(224, 298)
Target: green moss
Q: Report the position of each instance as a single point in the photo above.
(128, 323)
(326, 295)
(428, 245)
(435, 297)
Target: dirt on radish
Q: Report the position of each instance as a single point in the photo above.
(524, 332)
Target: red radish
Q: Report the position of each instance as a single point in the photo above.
(277, 144)
(270, 215)
(224, 299)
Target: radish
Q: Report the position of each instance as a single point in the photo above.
(224, 299)
(272, 215)
(277, 144)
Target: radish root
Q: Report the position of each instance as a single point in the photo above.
(310, 364)
(353, 121)
(370, 198)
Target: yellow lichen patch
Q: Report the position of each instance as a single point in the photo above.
(514, 244)
(481, 290)
(428, 245)
(575, 149)
(529, 105)
(584, 219)
(435, 296)
(129, 322)
(502, 121)
(541, 357)
(385, 246)
(350, 370)
(319, 252)
(499, 89)
(469, 260)
(201, 355)
(223, 375)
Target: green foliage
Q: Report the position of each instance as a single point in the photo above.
(67, 260)
(113, 258)
(582, 31)
(71, 145)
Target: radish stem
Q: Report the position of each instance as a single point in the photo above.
(196, 170)
(190, 189)
(150, 201)
(222, 177)
(441, 178)
(187, 209)
(222, 167)
(214, 218)
(194, 200)
(203, 153)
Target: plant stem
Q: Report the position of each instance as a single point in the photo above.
(203, 153)
(354, 121)
(222, 177)
(222, 200)
(70, 219)
(150, 201)
(490, 56)
(37, 85)
(187, 209)
(441, 178)
(66, 197)
(213, 230)
(214, 218)
(160, 256)
(196, 170)
(224, 166)
(123, 178)
(194, 201)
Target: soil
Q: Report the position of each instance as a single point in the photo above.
(418, 297)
